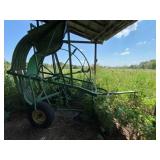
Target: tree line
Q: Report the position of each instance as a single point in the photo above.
(145, 65)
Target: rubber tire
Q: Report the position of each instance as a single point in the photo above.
(48, 111)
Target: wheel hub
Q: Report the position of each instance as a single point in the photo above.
(39, 116)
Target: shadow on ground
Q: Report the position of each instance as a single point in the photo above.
(64, 127)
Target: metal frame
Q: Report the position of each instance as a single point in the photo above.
(33, 87)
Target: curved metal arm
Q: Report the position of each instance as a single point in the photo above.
(82, 65)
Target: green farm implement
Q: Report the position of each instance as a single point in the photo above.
(42, 85)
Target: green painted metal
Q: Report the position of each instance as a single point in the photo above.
(34, 64)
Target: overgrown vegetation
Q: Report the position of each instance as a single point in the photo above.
(134, 114)
(12, 100)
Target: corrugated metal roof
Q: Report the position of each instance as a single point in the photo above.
(96, 30)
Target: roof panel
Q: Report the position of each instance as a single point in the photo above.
(96, 30)
(99, 31)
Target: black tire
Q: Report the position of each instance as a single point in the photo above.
(43, 116)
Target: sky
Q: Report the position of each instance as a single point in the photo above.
(135, 44)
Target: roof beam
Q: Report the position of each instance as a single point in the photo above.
(103, 31)
(74, 41)
(85, 27)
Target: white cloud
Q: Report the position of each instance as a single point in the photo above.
(124, 53)
(127, 31)
(141, 43)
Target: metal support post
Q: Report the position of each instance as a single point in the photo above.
(54, 63)
(95, 59)
(70, 56)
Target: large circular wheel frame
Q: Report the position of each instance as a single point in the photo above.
(43, 116)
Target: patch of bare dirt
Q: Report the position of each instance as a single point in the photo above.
(64, 127)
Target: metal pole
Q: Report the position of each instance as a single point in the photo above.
(95, 58)
(35, 54)
(37, 23)
(70, 56)
(54, 63)
(59, 67)
(75, 41)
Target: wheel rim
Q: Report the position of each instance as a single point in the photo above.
(39, 116)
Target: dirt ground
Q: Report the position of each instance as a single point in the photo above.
(64, 127)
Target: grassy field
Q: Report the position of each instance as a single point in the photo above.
(128, 79)
(134, 114)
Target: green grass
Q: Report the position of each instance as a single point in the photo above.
(128, 79)
(143, 81)
(132, 113)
